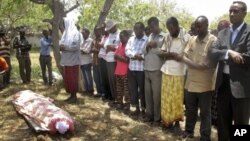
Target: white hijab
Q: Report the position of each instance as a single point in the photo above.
(70, 34)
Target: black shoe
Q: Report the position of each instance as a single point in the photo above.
(71, 100)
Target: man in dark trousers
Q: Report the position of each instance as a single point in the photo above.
(232, 52)
(45, 59)
(23, 47)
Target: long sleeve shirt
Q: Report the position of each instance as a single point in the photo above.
(113, 39)
(152, 60)
(136, 46)
(85, 48)
(45, 46)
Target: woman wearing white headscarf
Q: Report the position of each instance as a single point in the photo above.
(70, 57)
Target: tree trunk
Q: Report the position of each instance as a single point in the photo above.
(105, 11)
(58, 12)
(57, 8)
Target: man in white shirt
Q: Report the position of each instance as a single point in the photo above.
(86, 61)
(110, 45)
(134, 50)
(173, 72)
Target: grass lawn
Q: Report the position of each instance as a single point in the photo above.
(94, 119)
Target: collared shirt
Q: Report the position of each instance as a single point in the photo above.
(22, 47)
(45, 46)
(176, 45)
(152, 61)
(121, 66)
(235, 32)
(102, 52)
(113, 39)
(233, 37)
(136, 46)
(85, 48)
(196, 50)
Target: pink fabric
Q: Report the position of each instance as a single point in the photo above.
(121, 67)
(40, 111)
(71, 78)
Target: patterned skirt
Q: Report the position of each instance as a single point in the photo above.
(172, 96)
(71, 78)
(122, 89)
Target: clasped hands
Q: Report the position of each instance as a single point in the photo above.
(236, 57)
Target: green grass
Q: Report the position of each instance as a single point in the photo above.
(35, 65)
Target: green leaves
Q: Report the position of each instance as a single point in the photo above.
(23, 12)
(128, 12)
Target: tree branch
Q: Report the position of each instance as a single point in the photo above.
(48, 20)
(38, 1)
(72, 8)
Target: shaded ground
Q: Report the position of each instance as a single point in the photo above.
(95, 119)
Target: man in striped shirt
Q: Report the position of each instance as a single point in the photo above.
(5, 53)
(134, 50)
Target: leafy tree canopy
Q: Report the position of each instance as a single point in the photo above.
(128, 12)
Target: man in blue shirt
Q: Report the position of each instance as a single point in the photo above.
(45, 58)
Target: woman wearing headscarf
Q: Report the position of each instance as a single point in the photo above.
(70, 57)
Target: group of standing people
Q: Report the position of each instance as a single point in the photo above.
(163, 76)
(22, 47)
(158, 73)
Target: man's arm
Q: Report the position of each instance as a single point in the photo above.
(16, 43)
(44, 43)
(87, 48)
(246, 55)
(219, 50)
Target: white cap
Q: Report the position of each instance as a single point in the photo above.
(62, 126)
(109, 24)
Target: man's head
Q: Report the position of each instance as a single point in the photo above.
(223, 24)
(85, 33)
(139, 29)
(45, 33)
(111, 26)
(201, 26)
(124, 36)
(153, 24)
(98, 31)
(22, 32)
(237, 12)
(192, 30)
(173, 26)
(2, 32)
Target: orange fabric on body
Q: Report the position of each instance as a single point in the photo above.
(3, 64)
